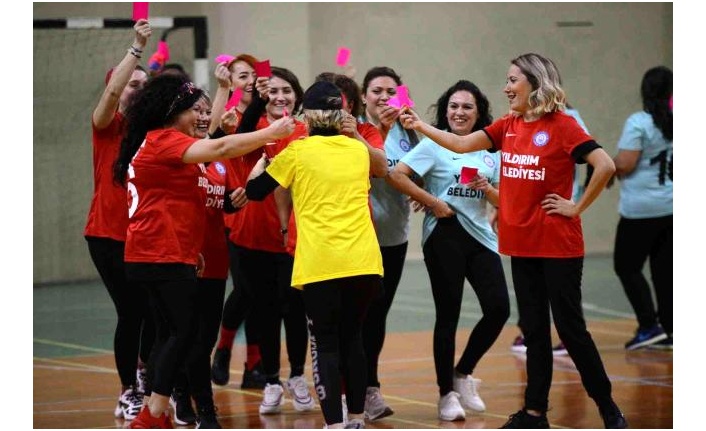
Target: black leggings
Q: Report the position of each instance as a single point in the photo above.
(541, 285)
(635, 241)
(267, 278)
(239, 303)
(134, 332)
(172, 296)
(208, 305)
(452, 254)
(336, 309)
(374, 326)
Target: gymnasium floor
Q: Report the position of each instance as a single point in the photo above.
(76, 385)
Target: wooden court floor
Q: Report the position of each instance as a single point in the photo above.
(81, 391)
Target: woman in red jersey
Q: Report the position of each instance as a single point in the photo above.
(162, 163)
(238, 74)
(222, 195)
(107, 224)
(540, 228)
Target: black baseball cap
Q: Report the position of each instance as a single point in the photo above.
(323, 95)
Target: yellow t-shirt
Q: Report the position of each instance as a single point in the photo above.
(329, 183)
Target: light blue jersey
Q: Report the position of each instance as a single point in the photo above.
(391, 208)
(441, 171)
(647, 191)
(578, 187)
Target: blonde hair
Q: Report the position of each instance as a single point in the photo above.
(547, 95)
(324, 119)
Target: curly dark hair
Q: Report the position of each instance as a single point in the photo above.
(157, 105)
(482, 105)
(656, 89)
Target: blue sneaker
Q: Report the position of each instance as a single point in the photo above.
(646, 337)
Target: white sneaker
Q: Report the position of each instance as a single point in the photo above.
(375, 406)
(301, 397)
(272, 399)
(356, 424)
(467, 387)
(129, 404)
(450, 407)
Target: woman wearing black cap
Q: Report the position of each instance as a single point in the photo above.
(337, 261)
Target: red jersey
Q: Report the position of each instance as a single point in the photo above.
(215, 248)
(536, 160)
(256, 226)
(107, 217)
(166, 199)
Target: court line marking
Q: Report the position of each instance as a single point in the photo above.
(70, 345)
(74, 366)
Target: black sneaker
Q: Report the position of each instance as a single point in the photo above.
(207, 418)
(183, 410)
(613, 418)
(220, 370)
(253, 379)
(524, 420)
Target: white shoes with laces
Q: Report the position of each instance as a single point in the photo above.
(467, 388)
(272, 399)
(450, 407)
(301, 397)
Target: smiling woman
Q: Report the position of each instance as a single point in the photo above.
(541, 227)
(160, 162)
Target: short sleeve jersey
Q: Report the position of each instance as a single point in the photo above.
(329, 180)
(166, 199)
(536, 160)
(107, 216)
(256, 226)
(215, 248)
(390, 207)
(441, 170)
(647, 192)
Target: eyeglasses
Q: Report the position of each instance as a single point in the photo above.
(187, 88)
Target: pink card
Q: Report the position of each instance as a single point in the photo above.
(224, 58)
(140, 10)
(235, 98)
(284, 112)
(343, 55)
(394, 101)
(403, 96)
(467, 174)
(262, 68)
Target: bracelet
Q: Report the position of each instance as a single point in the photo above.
(284, 230)
(136, 49)
(133, 52)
